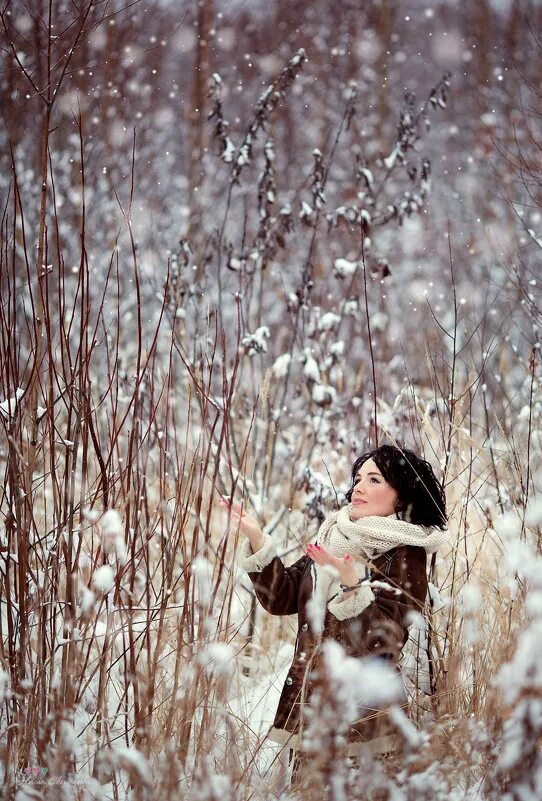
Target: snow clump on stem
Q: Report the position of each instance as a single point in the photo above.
(103, 579)
(256, 342)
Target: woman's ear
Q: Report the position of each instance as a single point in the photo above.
(398, 509)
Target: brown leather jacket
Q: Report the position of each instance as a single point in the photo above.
(380, 629)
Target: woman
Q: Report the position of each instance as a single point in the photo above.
(356, 585)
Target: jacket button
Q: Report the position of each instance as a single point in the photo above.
(304, 627)
(289, 681)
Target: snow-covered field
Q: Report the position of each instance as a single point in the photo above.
(233, 256)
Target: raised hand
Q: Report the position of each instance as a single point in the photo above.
(246, 524)
(344, 565)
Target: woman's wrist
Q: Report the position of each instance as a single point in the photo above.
(349, 579)
(256, 541)
(349, 588)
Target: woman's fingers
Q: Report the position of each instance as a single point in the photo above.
(235, 512)
(322, 556)
(236, 508)
(314, 554)
(240, 520)
(344, 565)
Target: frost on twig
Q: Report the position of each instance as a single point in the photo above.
(221, 125)
(265, 105)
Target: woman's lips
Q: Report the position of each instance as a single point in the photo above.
(358, 501)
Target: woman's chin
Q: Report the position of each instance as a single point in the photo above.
(358, 511)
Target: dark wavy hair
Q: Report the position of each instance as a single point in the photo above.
(420, 495)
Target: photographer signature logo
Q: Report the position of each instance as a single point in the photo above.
(36, 771)
(38, 775)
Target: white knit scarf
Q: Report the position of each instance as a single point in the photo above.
(365, 539)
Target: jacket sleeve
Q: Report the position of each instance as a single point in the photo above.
(276, 586)
(378, 619)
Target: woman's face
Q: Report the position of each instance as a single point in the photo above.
(372, 495)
